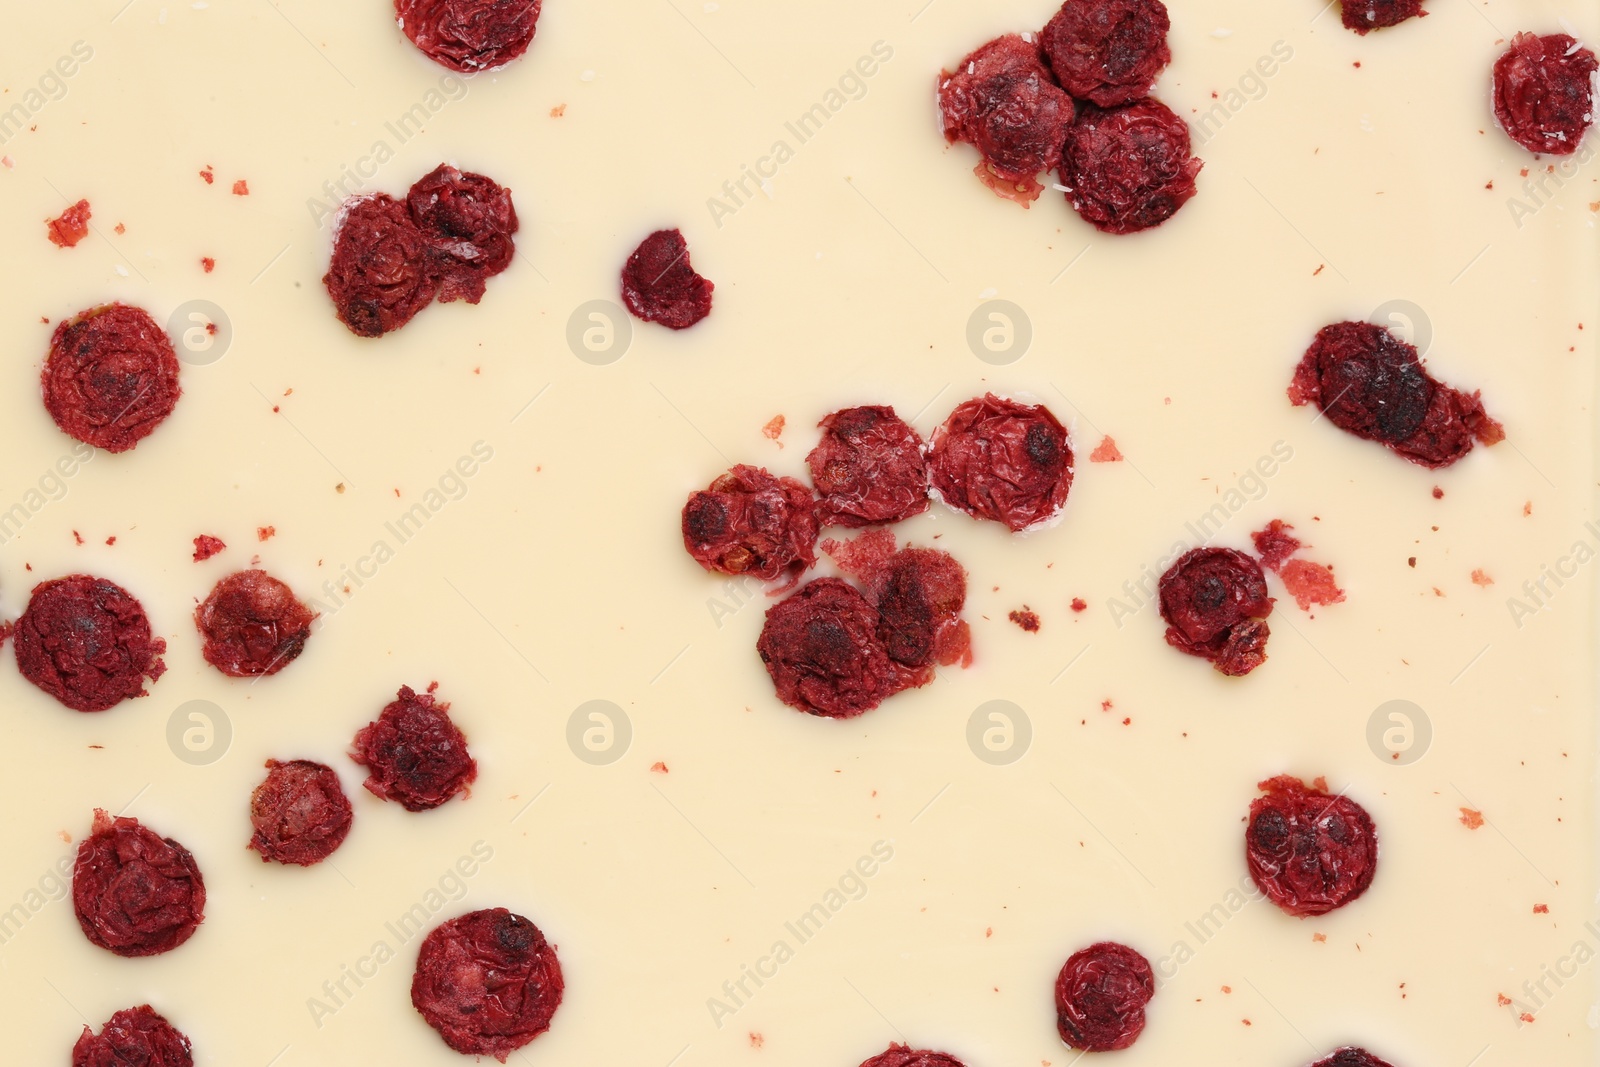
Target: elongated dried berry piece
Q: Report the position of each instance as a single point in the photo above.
(1128, 168)
(469, 35)
(417, 756)
(253, 625)
(1544, 92)
(1101, 995)
(134, 1037)
(1002, 460)
(1364, 16)
(383, 269)
(1350, 1056)
(659, 285)
(897, 1055)
(1215, 602)
(299, 813)
(1002, 100)
(488, 981)
(87, 642)
(1372, 384)
(111, 376)
(1309, 852)
(469, 219)
(135, 893)
(750, 522)
(823, 650)
(868, 468)
(1108, 52)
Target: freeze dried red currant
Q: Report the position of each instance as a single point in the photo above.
(299, 813)
(1002, 100)
(1351, 1056)
(488, 981)
(904, 1056)
(1372, 384)
(87, 642)
(383, 269)
(1101, 995)
(1215, 602)
(416, 756)
(469, 35)
(1309, 852)
(111, 376)
(253, 625)
(823, 650)
(469, 219)
(134, 892)
(749, 522)
(1544, 92)
(659, 285)
(998, 459)
(868, 468)
(133, 1037)
(1128, 168)
(1108, 52)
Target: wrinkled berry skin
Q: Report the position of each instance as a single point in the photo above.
(823, 650)
(488, 982)
(469, 220)
(660, 285)
(87, 642)
(869, 468)
(1002, 100)
(1215, 602)
(133, 1037)
(253, 625)
(897, 1055)
(111, 376)
(1351, 1056)
(417, 757)
(299, 813)
(1101, 995)
(383, 270)
(1128, 168)
(1309, 852)
(469, 35)
(1108, 52)
(135, 893)
(1364, 16)
(1002, 460)
(750, 522)
(1544, 92)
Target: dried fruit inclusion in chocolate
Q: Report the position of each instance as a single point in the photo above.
(1363, 16)
(1101, 995)
(135, 893)
(469, 35)
(299, 813)
(868, 468)
(488, 982)
(1128, 168)
(1108, 52)
(1544, 92)
(897, 1055)
(660, 285)
(1309, 852)
(750, 522)
(416, 755)
(996, 458)
(1002, 100)
(1215, 603)
(87, 642)
(111, 376)
(133, 1037)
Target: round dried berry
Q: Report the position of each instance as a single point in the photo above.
(299, 812)
(1002, 460)
(1108, 52)
(416, 755)
(1002, 101)
(659, 285)
(749, 522)
(111, 376)
(1129, 168)
(488, 982)
(821, 647)
(469, 35)
(252, 625)
(905, 1056)
(869, 468)
(383, 270)
(87, 642)
(1101, 993)
(469, 219)
(133, 1036)
(1544, 92)
(1363, 16)
(1214, 601)
(135, 893)
(1309, 852)
(1351, 1056)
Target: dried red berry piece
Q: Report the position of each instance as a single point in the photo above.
(469, 219)
(1544, 92)
(659, 285)
(1101, 994)
(488, 981)
(1002, 100)
(299, 813)
(1309, 852)
(87, 642)
(383, 270)
(1128, 168)
(111, 376)
(1364, 16)
(469, 35)
(1108, 52)
(1215, 602)
(868, 468)
(206, 546)
(998, 459)
(253, 625)
(823, 650)
(133, 1037)
(70, 227)
(135, 893)
(904, 1056)
(1372, 384)
(1351, 1056)
(749, 522)
(417, 757)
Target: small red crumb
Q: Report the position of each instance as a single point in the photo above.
(396, 492)
(1541, 909)
(1320, 783)
(208, 263)
(1214, 95)
(1167, 400)
(1357, 64)
(7, 162)
(1526, 1017)
(289, 391)
(241, 188)
(1320, 268)
(120, 229)
(1480, 578)
(65, 837)
(111, 540)
(1438, 494)
(1527, 509)
(1471, 819)
(557, 111)
(1105, 452)
(1489, 184)
(339, 488)
(276, 409)
(1105, 705)
(1078, 604)
(1502, 999)
(1524, 171)
(1247, 1021)
(78, 537)
(774, 429)
(264, 533)
(71, 227)
(1227, 989)
(658, 767)
(1411, 561)
(1310, 583)
(211, 328)
(1319, 938)
(206, 546)
(1127, 722)
(207, 175)
(1026, 619)
(45, 319)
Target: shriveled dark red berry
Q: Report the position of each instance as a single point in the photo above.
(1002, 100)
(488, 981)
(111, 376)
(999, 459)
(469, 35)
(87, 642)
(750, 522)
(1215, 603)
(904, 1056)
(1372, 384)
(253, 625)
(299, 813)
(383, 269)
(1108, 52)
(1544, 92)
(823, 650)
(1101, 994)
(135, 893)
(659, 285)
(1309, 852)
(469, 219)
(133, 1037)
(415, 755)
(868, 468)
(1351, 1056)
(1364, 16)
(1128, 168)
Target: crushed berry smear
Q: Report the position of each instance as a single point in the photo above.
(1364, 16)
(488, 982)
(823, 650)
(134, 892)
(659, 284)
(1274, 544)
(111, 376)
(469, 219)
(469, 35)
(383, 269)
(1215, 603)
(1128, 168)
(416, 756)
(897, 1055)
(1309, 852)
(868, 468)
(133, 1037)
(1544, 92)
(1373, 385)
(1351, 1056)
(1309, 583)
(87, 642)
(1002, 460)
(1002, 100)
(1101, 995)
(1106, 452)
(1026, 619)
(241, 188)
(750, 522)
(299, 813)
(70, 227)
(253, 625)
(1108, 52)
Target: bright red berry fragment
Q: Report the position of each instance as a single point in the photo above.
(659, 285)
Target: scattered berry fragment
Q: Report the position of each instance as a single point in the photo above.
(1101, 995)
(659, 285)
(1471, 818)
(70, 227)
(1364, 16)
(1544, 92)
(1309, 852)
(206, 546)
(134, 892)
(488, 982)
(1002, 100)
(416, 756)
(1215, 603)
